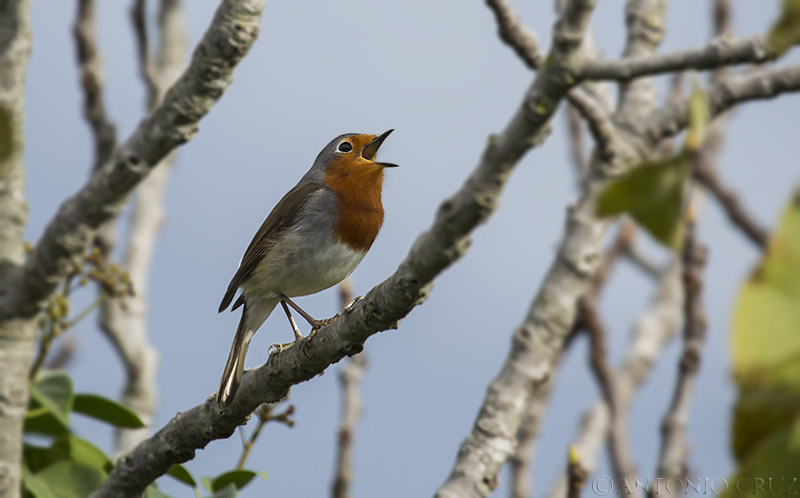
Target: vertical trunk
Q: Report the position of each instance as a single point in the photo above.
(16, 333)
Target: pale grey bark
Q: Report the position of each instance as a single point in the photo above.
(674, 455)
(124, 319)
(722, 51)
(16, 335)
(350, 375)
(735, 89)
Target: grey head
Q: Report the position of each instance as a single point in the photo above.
(346, 145)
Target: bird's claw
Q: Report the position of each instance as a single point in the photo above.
(281, 346)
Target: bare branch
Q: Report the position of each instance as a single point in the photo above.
(350, 375)
(723, 51)
(674, 449)
(16, 336)
(589, 319)
(515, 34)
(230, 36)
(146, 69)
(90, 64)
(732, 91)
(520, 460)
(124, 320)
(576, 474)
(654, 329)
(598, 119)
(730, 202)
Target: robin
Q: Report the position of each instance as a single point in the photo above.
(313, 239)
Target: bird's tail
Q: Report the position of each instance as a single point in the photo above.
(252, 318)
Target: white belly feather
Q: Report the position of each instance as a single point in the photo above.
(297, 269)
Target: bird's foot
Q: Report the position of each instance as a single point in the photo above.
(282, 346)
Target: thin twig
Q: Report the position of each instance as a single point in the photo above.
(732, 205)
(599, 120)
(146, 70)
(515, 34)
(765, 84)
(124, 320)
(265, 415)
(674, 447)
(350, 376)
(720, 52)
(576, 474)
(589, 319)
(90, 65)
(654, 329)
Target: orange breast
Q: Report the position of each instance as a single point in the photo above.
(358, 194)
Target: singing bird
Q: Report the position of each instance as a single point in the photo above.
(313, 239)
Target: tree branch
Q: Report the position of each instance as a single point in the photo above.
(175, 121)
(90, 65)
(729, 92)
(124, 320)
(654, 329)
(598, 119)
(515, 34)
(730, 202)
(350, 375)
(722, 51)
(16, 336)
(674, 448)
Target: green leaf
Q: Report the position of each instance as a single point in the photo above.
(654, 194)
(34, 485)
(69, 447)
(239, 478)
(773, 464)
(786, 31)
(50, 404)
(152, 491)
(80, 450)
(766, 313)
(766, 357)
(109, 411)
(38, 457)
(180, 473)
(71, 479)
(228, 491)
(41, 421)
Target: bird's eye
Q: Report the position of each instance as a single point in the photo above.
(345, 147)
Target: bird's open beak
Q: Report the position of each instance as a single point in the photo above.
(371, 149)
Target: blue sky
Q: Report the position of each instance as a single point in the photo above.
(438, 74)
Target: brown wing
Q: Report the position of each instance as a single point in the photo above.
(281, 217)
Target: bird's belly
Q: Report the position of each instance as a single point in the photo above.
(302, 269)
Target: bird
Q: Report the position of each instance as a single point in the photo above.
(313, 238)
